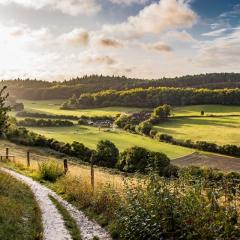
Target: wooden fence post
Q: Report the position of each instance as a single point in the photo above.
(65, 164)
(28, 159)
(92, 172)
(7, 153)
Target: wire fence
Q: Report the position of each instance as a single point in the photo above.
(32, 159)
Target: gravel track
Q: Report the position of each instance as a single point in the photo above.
(53, 224)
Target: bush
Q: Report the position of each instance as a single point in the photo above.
(154, 211)
(137, 159)
(159, 162)
(160, 113)
(107, 154)
(50, 170)
(122, 121)
(134, 159)
(144, 127)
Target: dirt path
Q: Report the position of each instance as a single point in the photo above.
(53, 223)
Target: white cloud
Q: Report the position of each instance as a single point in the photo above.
(156, 18)
(159, 47)
(77, 37)
(129, 2)
(215, 33)
(179, 35)
(106, 60)
(221, 52)
(71, 7)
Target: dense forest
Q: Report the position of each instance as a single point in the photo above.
(153, 97)
(39, 90)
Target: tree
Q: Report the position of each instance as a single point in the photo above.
(3, 111)
(107, 154)
(145, 127)
(160, 113)
(134, 159)
(159, 162)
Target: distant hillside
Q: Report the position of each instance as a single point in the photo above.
(37, 90)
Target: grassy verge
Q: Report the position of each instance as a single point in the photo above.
(20, 216)
(69, 221)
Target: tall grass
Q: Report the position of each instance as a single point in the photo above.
(50, 170)
(20, 216)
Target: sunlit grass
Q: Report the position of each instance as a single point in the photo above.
(195, 110)
(53, 107)
(224, 130)
(90, 136)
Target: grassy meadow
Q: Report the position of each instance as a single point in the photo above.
(208, 109)
(220, 130)
(53, 107)
(90, 136)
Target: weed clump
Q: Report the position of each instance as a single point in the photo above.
(50, 170)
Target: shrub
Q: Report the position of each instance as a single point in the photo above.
(81, 151)
(107, 154)
(144, 127)
(50, 170)
(122, 121)
(154, 211)
(158, 162)
(160, 113)
(134, 159)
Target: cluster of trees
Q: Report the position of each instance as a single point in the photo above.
(229, 149)
(31, 122)
(160, 114)
(143, 123)
(153, 97)
(37, 90)
(44, 115)
(96, 118)
(134, 159)
(141, 160)
(125, 120)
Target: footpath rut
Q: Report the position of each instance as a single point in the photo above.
(53, 223)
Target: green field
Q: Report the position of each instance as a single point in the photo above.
(53, 107)
(91, 135)
(220, 130)
(208, 109)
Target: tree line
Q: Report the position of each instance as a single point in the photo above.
(135, 159)
(153, 97)
(39, 90)
(31, 122)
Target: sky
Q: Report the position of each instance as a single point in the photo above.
(62, 39)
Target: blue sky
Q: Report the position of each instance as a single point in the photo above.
(58, 39)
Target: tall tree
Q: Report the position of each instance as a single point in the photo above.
(3, 111)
